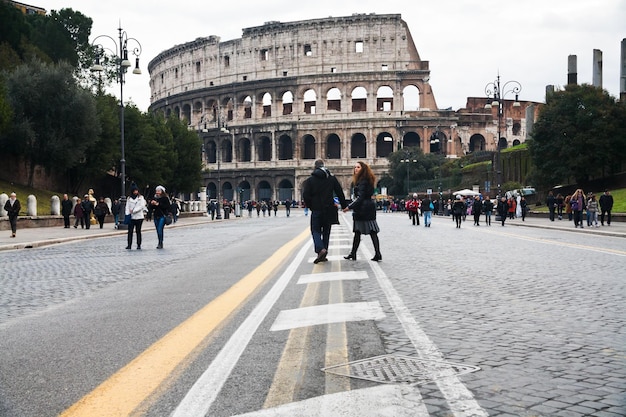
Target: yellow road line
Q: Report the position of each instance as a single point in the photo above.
(336, 344)
(134, 383)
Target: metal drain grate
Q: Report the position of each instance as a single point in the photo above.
(390, 369)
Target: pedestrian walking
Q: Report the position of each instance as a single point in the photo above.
(592, 211)
(412, 207)
(135, 207)
(487, 209)
(174, 209)
(288, 207)
(523, 207)
(13, 207)
(212, 209)
(116, 207)
(427, 210)
(477, 207)
(606, 205)
(551, 203)
(101, 210)
(503, 208)
(66, 210)
(88, 208)
(560, 205)
(158, 209)
(578, 205)
(364, 210)
(227, 209)
(318, 192)
(458, 209)
(78, 214)
(512, 207)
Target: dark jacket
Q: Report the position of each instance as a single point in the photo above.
(87, 207)
(606, 202)
(161, 209)
(319, 190)
(503, 208)
(101, 209)
(487, 205)
(13, 210)
(363, 206)
(458, 208)
(66, 207)
(426, 205)
(477, 207)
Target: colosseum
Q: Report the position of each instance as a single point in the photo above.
(340, 88)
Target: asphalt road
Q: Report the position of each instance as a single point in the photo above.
(232, 318)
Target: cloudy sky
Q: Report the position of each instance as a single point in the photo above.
(466, 41)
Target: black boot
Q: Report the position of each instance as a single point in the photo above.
(356, 241)
(377, 256)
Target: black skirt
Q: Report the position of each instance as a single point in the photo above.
(365, 227)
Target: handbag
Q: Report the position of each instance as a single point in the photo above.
(432, 206)
(168, 219)
(127, 219)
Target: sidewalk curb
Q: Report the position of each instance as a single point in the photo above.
(589, 230)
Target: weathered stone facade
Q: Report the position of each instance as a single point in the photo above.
(284, 94)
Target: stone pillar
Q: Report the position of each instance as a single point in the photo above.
(597, 68)
(31, 206)
(55, 205)
(74, 202)
(3, 201)
(572, 70)
(202, 198)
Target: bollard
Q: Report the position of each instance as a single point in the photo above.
(55, 205)
(3, 201)
(31, 206)
(109, 203)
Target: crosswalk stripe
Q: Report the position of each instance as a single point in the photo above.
(325, 314)
(332, 276)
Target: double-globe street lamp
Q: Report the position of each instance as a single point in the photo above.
(497, 93)
(407, 161)
(122, 63)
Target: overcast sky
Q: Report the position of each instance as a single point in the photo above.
(466, 41)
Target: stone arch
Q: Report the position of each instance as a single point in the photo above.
(266, 100)
(411, 140)
(187, 113)
(502, 143)
(308, 147)
(287, 99)
(211, 191)
(264, 191)
(264, 149)
(244, 150)
(384, 144)
(437, 140)
(359, 99)
(285, 190)
(358, 146)
(517, 128)
(177, 112)
(333, 146)
(247, 107)
(245, 191)
(226, 151)
(333, 99)
(285, 147)
(477, 142)
(516, 142)
(211, 152)
(310, 101)
(410, 98)
(384, 98)
(227, 191)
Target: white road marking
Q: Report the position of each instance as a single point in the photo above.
(383, 400)
(205, 390)
(332, 276)
(329, 257)
(326, 314)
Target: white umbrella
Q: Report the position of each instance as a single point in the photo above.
(465, 192)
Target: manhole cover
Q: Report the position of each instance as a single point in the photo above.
(390, 369)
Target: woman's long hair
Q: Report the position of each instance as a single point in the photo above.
(366, 174)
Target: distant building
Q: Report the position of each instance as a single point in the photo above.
(28, 9)
(341, 89)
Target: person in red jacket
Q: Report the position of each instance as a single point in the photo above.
(412, 206)
(512, 206)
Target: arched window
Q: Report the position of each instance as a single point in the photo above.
(287, 102)
(285, 147)
(227, 191)
(308, 147)
(244, 191)
(267, 105)
(285, 190)
(226, 151)
(211, 152)
(384, 145)
(247, 107)
(476, 143)
(411, 98)
(502, 143)
(384, 98)
(244, 151)
(333, 147)
(358, 148)
(411, 139)
(264, 149)
(333, 99)
(359, 99)
(264, 191)
(310, 100)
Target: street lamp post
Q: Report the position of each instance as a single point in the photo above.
(497, 94)
(220, 129)
(407, 161)
(121, 66)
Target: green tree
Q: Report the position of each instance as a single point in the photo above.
(426, 167)
(580, 134)
(187, 144)
(54, 120)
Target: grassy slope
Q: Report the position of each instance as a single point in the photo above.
(619, 201)
(43, 196)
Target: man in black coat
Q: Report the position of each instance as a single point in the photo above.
(606, 205)
(87, 210)
(66, 210)
(318, 193)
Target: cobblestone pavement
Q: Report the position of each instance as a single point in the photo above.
(541, 311)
